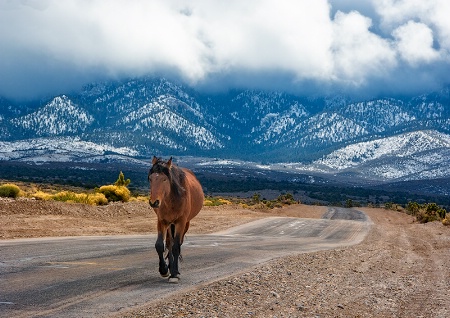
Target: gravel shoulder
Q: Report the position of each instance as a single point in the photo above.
(401, 269)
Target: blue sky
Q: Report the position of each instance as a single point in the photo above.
(362, 47)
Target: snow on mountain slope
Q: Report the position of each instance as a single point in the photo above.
(60, 116)
(379, 115)
(274, 125)
(156, 118)
(57, 149)
(400, 156)
(431, 164)
(323, 130)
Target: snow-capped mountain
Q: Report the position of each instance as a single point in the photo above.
(409, 156)
(390, 138)
(59, 117)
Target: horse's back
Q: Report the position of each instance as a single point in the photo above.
(195, 192)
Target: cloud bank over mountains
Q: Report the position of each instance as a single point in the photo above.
(368, 47)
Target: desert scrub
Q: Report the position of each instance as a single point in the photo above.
(428, 212)
(446, 221)
(40, 195)
(72, 197)
(9, 190)
(140, 198)
(86, 198)
(97, 199)
(115, 193)
(211, 201)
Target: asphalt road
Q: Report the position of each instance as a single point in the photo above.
(99, 276)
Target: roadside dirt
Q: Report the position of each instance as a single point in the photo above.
(400, 270)
(24, 218)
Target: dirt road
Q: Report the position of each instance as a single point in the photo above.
(92, 276)
(401, 269)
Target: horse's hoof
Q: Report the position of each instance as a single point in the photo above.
(174, 280)
(164, 272)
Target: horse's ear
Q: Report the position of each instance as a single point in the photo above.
(154, 160)
(169, 163)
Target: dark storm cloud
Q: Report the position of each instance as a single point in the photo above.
(361, 47)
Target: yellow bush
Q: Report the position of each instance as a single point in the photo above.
(140, 198)
(97, 199)
(215, 201)
(446, 220)
(223, 201)
(208, 203)
(68, 196)
(9, 190)
(115, 193)
(72, 197)
(39, 195)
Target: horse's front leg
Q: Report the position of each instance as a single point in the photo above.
(176, 251)
(159, 246)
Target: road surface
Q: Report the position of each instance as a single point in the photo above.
(99, 276)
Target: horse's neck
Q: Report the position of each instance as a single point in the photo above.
(174, 202)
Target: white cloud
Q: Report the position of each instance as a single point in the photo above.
(285, 36)
(415, 42)
(433, 13)
(203, 40)
(359, 53)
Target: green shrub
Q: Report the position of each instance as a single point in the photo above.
(9, 190)
(413, 208)
(256, 198)
(115, 193)
(425, 217)
(430, 212)
(287, 199)
(121, 182)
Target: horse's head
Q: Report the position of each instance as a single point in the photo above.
(159, 177)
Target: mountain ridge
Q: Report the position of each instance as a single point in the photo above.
(151, 116)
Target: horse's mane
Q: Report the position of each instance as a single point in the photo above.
(175, 174)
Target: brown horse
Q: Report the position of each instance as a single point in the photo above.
(176, 196)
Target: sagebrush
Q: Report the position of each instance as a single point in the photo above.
(115, 193)
(9, 190)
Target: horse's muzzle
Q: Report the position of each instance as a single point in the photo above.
(154, 204)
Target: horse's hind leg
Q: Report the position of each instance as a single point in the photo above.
(186, 228)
